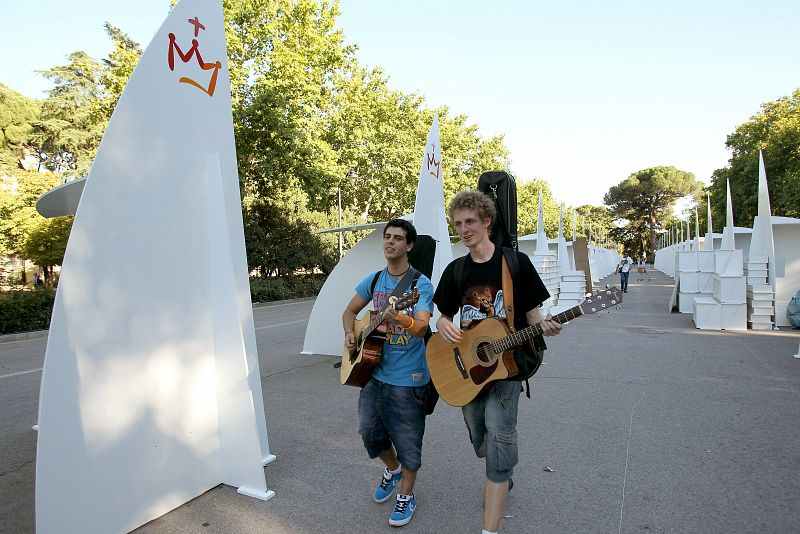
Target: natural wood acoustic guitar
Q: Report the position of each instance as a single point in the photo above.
(358, 365)
(460, 371)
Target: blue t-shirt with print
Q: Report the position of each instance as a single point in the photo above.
(403, 358)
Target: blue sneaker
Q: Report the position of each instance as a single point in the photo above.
(403, 510)
(386, 486)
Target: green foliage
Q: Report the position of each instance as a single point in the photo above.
(775, 130)
(595, 220)
(281, 243)
(17, 113)
(116, 69)
(25, 311)
(528, 208)
(70, 126)
(284, 56)
(19, 219)
(46, 242)
(645, 200)
(267, 289)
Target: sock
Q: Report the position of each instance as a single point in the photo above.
(395, 471)
(487, 532)
(401, 497)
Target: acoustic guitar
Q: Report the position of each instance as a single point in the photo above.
(461, 371)
(358, 365)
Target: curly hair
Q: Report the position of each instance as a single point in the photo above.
(473, 200)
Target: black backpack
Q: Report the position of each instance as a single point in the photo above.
(529, 356)
(501, 187)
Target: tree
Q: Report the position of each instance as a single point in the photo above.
(70, 126)
(596, 220)
(280, 242)
(46, 243)
(646, 198)
(116, 70)
(17, 113)
(284, 55)
(23, 231)
(775, 130)
(528, 208)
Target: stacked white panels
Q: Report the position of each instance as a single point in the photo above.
(705, 309)
(760, 294)
(546, 264)
(725, 308)
(688, 278)
(729, 289)
(572, 290)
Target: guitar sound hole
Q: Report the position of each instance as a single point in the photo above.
(484, 353)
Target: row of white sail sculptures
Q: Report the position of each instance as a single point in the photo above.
(743, 278)
(151, 391)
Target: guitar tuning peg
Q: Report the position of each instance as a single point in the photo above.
(598, 314)
(619, 307)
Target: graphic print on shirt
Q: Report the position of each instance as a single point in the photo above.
(395, 333)
(481, 302)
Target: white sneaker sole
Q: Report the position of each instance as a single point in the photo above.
(402, 522)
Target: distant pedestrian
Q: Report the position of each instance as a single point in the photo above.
(39, 280)
(623, 269)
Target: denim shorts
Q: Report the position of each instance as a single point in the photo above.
(492, 423)
(393, 415)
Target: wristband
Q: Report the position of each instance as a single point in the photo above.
(349, 332)
(403, 324)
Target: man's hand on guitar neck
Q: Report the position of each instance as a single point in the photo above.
(448, 330)
(549, 326)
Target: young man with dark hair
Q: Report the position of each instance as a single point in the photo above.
(391, 406)
(491, 418)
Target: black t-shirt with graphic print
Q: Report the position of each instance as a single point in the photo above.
(482, 295)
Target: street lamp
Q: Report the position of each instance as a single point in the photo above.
(349, 176)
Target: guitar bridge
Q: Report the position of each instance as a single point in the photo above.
(460, 363)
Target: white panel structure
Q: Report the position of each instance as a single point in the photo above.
(324, 331)
(151, 391)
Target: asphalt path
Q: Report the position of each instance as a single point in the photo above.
(637, 423)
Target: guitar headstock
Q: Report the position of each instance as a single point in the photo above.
(407, 299)
(603, 299)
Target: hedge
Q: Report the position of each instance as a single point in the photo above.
(26, 310)
(29, 310)
(289, 287)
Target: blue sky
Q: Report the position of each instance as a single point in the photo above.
(585, 92)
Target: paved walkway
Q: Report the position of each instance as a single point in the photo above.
(646, 423)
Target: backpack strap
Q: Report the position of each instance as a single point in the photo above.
(458, 272)
(374, 282)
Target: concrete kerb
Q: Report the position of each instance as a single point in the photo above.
(38, 334)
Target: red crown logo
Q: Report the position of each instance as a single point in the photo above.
(431, 160)
(194, 51)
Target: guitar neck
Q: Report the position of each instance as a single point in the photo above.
(375, 322)
(526, 334)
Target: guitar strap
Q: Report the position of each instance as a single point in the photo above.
(409, 279)
(508, 301)
(508, 295)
